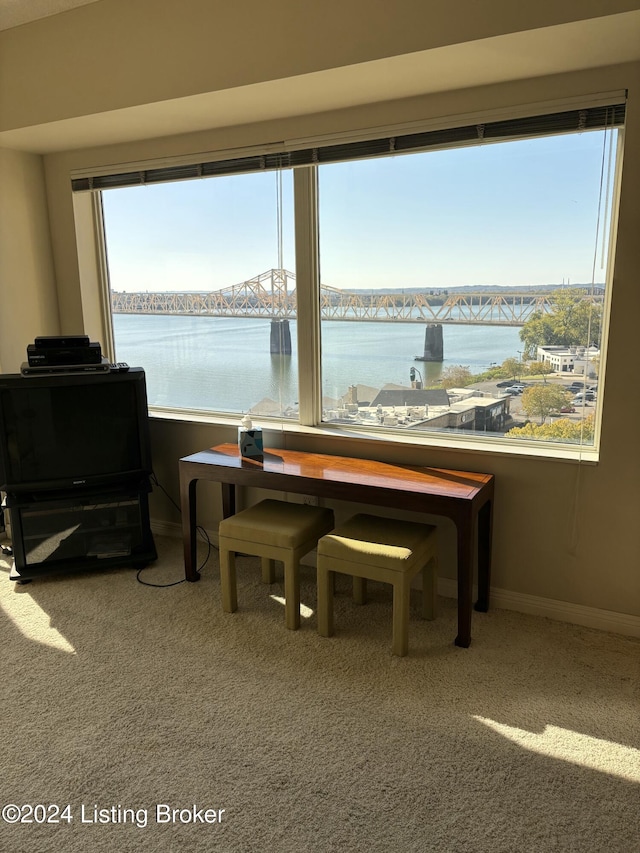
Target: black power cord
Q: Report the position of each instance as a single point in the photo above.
(199, 529)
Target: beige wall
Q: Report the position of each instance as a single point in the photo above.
(28, 303)
(562, 531)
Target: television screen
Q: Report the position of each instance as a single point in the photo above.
(62, 431)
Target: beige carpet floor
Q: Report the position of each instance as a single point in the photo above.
(124, 702)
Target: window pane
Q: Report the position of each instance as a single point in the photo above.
(444, 272)
(201, 291)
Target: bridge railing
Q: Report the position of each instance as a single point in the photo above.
(253, 299)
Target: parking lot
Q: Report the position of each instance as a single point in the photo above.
(581, 410)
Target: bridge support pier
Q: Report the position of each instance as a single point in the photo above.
(433, 344)
(280, 337)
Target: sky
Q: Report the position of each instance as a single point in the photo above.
(513, 214)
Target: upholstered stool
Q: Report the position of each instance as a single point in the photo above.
(379, 549)
(272, 530)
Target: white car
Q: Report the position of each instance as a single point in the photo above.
(587, 397)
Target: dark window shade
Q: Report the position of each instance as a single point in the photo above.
(570, 121)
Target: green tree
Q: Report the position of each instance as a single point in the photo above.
(512, 367)
(540, 400)
(561, 430)
(539, 368)
(456, 376)
(572, 321)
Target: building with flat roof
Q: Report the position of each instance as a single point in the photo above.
(569, 359)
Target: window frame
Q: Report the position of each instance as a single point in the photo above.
(95, 290)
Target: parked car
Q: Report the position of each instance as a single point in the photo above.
(506, 384)
(567, 410)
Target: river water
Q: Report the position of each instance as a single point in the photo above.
(223, 364)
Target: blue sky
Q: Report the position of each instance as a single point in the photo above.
(510, 214)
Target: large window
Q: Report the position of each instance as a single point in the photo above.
(458, 271)
(449, 285)
(203, 290)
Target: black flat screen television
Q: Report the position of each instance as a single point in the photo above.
(73, 431)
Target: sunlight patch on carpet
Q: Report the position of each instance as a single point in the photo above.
(305, 612)
(33, 623)
(574, 747)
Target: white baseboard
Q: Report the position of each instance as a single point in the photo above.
(563, 611)
(166, 528)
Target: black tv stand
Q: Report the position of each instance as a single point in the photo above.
(75, 465)
(55, 532)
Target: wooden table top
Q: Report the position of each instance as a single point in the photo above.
(443, 482)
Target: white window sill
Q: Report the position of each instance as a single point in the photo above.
(472, 444)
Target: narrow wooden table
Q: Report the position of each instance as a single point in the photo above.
(463, 496)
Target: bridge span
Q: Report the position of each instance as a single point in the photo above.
(272, 295)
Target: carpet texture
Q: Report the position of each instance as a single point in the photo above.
(126, 702)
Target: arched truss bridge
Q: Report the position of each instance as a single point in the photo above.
(272, 295)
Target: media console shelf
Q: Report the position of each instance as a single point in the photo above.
(89, 531)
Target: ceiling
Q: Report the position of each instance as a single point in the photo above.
(16, 12)
(559, 49)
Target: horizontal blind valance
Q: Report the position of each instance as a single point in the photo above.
(569, 121)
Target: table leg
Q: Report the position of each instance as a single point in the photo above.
(228, 499)
(485, 524)
(465, 580)
(188, 508)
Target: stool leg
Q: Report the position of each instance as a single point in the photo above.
(268, 570)
(228, 580)
(429, 589)
(292, 593)
(400, 640)
(325, 601)
(359, 590)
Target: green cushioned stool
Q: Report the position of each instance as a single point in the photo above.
(272, 530)
(379, 549)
